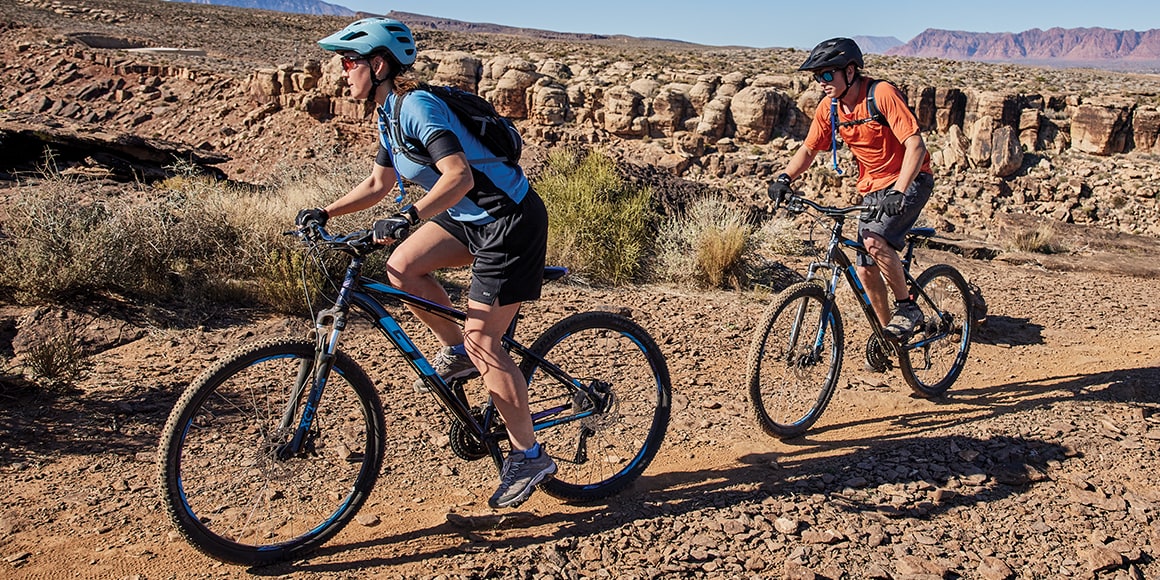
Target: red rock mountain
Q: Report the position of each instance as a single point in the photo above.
(1106, 48)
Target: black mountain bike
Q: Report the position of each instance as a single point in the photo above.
(796, 354)
(272, 450)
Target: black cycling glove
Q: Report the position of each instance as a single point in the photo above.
(395, 227)
(779, 189)
(315, 215)
(891, 204)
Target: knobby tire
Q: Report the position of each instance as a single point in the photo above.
(222, 479)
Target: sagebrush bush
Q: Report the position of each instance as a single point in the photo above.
(57, 361)
(709, 244)
(1040, 240)
(600, 226)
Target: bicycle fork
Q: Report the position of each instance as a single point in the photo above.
(314, 372)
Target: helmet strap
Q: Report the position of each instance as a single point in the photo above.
(392, 72)
(849, 81)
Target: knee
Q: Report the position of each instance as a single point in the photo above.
(874, 243)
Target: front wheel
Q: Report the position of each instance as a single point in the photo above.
(934, 357)
(228, 476)
(794, 360)
(600, 402)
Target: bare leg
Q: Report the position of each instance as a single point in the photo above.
(871, 278)
(889, 265)
(483, 332)
(409, 268)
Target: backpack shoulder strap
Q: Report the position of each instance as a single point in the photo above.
(411, 148)
(872, 105)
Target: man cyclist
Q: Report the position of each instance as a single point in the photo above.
(893, 171)
(481, 211)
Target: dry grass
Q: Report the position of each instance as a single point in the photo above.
(1043, 239)
(708, 245)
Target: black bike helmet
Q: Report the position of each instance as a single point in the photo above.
(834, 53)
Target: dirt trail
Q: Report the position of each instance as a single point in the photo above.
(78, 474)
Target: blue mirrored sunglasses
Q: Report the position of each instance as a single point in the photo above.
(826, 76)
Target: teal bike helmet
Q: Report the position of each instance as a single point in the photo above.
(374, 35)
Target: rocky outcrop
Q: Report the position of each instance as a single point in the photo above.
(1101, 126)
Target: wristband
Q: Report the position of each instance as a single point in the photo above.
(411, 214)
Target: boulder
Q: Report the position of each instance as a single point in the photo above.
(950, 106)
(703, 90)
(458, 69)
(670, 108)
(510, 95)
(714, 121)
(1006, 152)
(1146, 130)
(757, 111)
(548, 102)
(979, 151)
(623, 106)
(1100, 126)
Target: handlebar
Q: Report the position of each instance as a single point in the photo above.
(358, 242)
(795, 203)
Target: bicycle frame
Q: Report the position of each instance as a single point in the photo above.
(840, 265)
(359, 291)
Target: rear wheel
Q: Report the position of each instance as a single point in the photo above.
(227, 479)
(935, 355)
(603, 441)
(794, 361)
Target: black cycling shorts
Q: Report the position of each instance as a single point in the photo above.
(509, 252)
(893, 228)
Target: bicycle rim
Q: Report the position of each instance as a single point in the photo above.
(599, 447)
(223, 481)
(793, 371)
(933, 359)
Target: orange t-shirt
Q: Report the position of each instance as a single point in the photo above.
(877, 148)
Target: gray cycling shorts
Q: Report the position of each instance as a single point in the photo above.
(893, 228)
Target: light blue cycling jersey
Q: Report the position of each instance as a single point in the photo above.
(499, 186)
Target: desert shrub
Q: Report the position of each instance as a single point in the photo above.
(58, 245)
(1040, 240)
(600, 225)
(709, 244)
(56, 361)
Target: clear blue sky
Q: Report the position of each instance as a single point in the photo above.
(765, 23)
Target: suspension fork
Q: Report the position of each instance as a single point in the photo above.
(328, 327)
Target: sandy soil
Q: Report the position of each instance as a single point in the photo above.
(79, 476)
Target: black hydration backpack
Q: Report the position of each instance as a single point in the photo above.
(497, 133)
(876, 116)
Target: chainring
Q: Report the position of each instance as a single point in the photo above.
(877, 358)
(464, 443)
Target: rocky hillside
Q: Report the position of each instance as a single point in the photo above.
(1119, 49)
(296, 6)
(1060, 146)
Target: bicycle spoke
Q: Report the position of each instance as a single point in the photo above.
(791, 380)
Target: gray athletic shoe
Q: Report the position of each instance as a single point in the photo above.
(450, 366)
(519, 478)
(906, 318)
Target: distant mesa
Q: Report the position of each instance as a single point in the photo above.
(1102, 47)
(876, 44)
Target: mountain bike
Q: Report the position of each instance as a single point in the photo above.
(272, 450)
(796, 354)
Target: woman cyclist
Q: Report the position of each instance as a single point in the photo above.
(480, 210)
